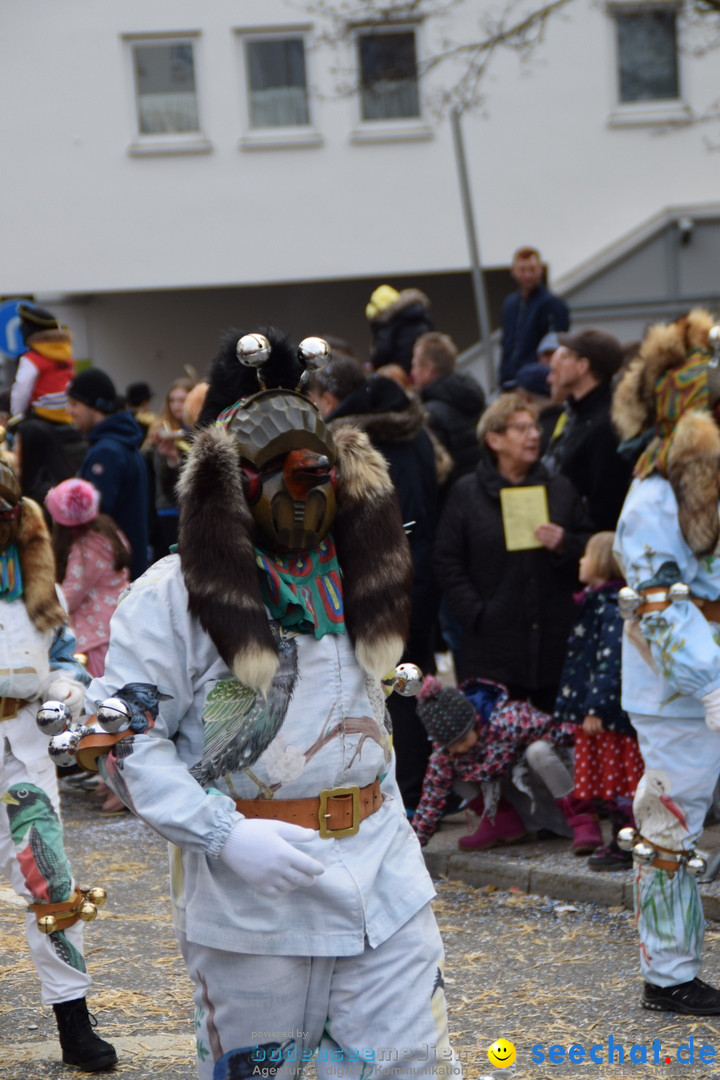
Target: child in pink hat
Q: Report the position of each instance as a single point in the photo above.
(92, 558)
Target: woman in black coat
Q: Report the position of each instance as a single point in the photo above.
(515, 607)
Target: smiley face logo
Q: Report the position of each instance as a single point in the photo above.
(501, 1054)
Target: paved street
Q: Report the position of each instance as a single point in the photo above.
(537, 972)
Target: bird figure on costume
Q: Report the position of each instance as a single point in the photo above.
(143, 700)
(240, 723)
(658, 817)
(37, 835)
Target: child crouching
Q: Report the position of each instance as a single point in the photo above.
(479, 735)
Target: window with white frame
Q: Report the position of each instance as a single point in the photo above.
(277, 82)
(165, 86)
(647, 53)
(387, 63)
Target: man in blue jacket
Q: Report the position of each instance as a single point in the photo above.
(113, 463)
(528, 314)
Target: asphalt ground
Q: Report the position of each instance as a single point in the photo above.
(553, 970)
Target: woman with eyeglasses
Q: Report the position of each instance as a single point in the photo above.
(512, 590)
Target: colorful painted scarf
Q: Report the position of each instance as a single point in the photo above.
(303, 592)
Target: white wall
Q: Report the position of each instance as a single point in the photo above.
(79, 215)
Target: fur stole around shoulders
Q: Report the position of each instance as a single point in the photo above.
(216, 546)
(37, 564)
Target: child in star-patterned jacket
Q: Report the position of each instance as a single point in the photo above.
(479, 735)
(608, 763)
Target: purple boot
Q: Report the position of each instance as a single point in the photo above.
(583, 821)
(507, 828)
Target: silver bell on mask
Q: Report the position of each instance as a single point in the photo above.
(314, 353)
(253, 350)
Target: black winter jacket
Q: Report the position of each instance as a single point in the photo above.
(587, 453)
(454, 405)
(515, 607)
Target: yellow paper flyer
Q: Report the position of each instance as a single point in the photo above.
(523, 509)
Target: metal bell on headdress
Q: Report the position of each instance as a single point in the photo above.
(696, 864)
(314, 353)
(62, 747)
(677, 592)
(407, 680)
(53, 717)
(628, 602)
(253, 350)
(113, 715)
(644, 853)
(627, 838)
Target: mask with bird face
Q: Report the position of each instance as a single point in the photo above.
(289, 468)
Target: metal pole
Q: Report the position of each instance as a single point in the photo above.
(481, 301)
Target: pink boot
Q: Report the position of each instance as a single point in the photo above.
(507, 828)
(584, 823)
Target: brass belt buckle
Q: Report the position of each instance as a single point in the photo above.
(333, 793)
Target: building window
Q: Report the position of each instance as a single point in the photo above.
(388, 75)
(277, 82)
(647, 53)
(165, 90)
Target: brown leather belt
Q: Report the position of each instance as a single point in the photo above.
(335, 812)
(656, 600)
(10, 707)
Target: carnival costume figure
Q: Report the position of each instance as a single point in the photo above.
(666, 407)
(250, 664)
(36, 663)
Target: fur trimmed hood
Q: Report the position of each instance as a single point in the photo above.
(216, 546)
(662, 404)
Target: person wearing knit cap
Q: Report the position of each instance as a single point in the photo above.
(92, 559)
(113, 463)
(479, 734)
(45, 368)
(665, 408)
(396, 320)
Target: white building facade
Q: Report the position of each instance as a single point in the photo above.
(173, 168)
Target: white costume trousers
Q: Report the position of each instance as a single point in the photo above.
(669, 910)
(59, 981)
(380, 1014)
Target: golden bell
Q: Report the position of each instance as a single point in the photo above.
(47, 924)
(97, 896)
(87, 911)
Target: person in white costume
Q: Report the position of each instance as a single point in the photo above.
(32, 856)
(251, 664)
(667, 543)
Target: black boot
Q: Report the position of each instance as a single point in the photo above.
(80, 1045)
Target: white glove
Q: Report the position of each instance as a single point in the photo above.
(71, 693)
(711, 702)
(258, 851)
